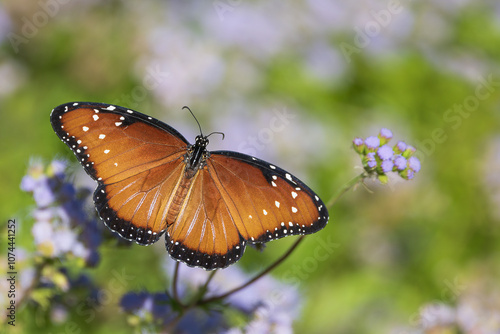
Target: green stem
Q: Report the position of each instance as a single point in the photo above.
(349, 185)
(174, 285)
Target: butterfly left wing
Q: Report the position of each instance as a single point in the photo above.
(136, 160)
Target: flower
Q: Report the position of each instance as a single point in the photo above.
(385, 152)
(379, 158)
(358, 144)
(387, 166)
(371, 162)
(62, 227)
(372, 142)
(400, 147)
(385, 135)
(414, 164)
(400, 162)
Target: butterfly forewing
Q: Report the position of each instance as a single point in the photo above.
(267, 202)
(135, 158)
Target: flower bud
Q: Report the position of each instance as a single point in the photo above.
(372, 142)
(359, 145)
(385, 135)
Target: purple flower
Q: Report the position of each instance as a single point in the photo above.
(400, 162)
(400, 147)
(357, 141)
(387, 166)
(385, 152)
(407, 174)
(43, 193)
(62, 225)
(58, 168)
(385, 135)
(28, 183)
(372, 142)
(414, 164)
(371, 162)
(409, 151)
(358, 145)
(42, 231)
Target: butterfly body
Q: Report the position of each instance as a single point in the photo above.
(152, 181)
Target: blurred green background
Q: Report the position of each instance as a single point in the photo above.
(427, 70)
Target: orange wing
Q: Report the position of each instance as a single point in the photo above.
(204, 234)
(136, 160)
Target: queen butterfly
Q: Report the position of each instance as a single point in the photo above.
(151, 180)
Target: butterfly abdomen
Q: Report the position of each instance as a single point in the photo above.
(178, 199)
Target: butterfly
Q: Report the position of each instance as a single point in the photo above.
(151, 181)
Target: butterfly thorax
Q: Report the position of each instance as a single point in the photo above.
(196, 156)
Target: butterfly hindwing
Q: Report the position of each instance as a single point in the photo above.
(204, 233)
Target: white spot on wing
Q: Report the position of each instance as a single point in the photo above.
(272, 167)
(79, 141)
(106, 151)
(294, 209)
(111, 108)
(95, 117)
(265, 212)
(277, 204)
(85, 128)
(274, 184)
(288, 176)
(294, 194)
(118, 123)
(102, 136)
(130, 111)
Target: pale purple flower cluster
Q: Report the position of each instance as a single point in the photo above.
(379, 158)
(62, 226)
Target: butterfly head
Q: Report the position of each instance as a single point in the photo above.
(201, 141)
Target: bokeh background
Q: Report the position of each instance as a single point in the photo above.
(292, 83)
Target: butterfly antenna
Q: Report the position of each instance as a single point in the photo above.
(201, 132)
(217, 132)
